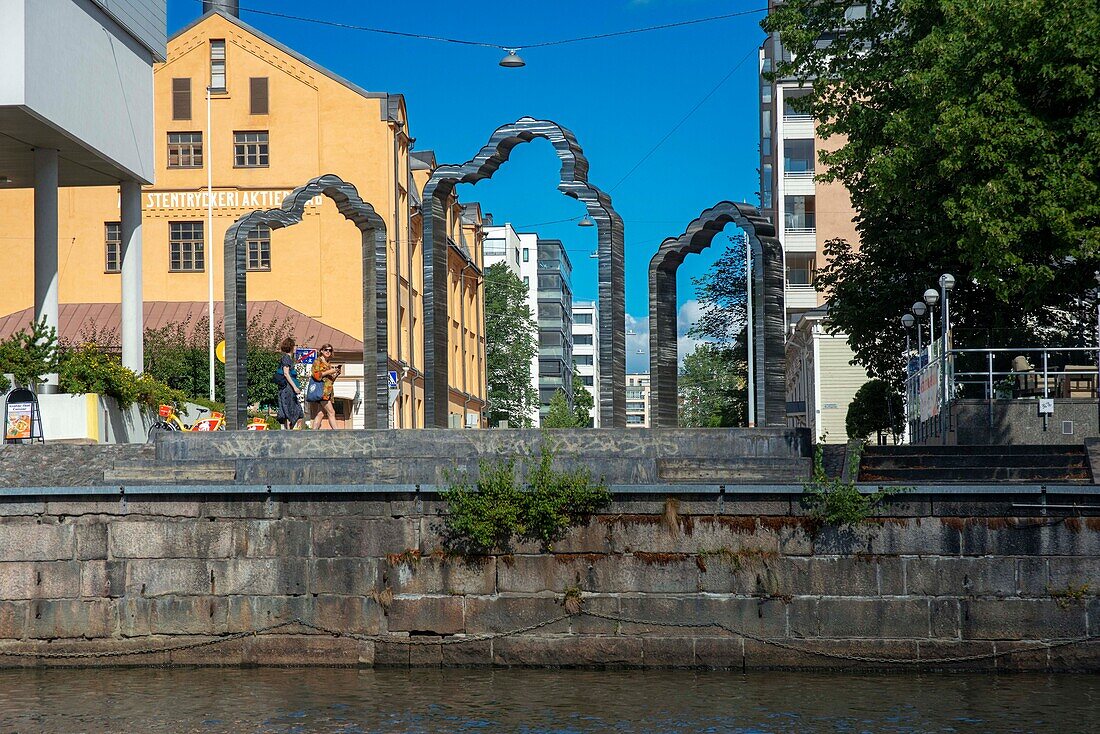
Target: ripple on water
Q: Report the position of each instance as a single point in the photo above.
(539, 702)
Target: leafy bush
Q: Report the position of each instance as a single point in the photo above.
(88, 369)
(485, 515)
(489, 514)
(834, 501)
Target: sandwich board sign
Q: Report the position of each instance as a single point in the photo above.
(22, 418)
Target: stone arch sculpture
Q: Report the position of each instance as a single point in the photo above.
(769, 390)
(373, 229)
(574, 183)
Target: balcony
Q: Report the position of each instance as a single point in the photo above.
(800, 239)
(800, 296)
(798, 183)
(798, 126)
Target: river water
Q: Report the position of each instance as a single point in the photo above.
(529, 701)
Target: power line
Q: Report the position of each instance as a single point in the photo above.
(647, 29)
(684, 119)
(501, 46)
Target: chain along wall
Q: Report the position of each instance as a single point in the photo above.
(705, 581)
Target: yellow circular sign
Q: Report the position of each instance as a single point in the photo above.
(219, 351)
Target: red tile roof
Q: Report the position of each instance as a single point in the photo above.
(100, 322)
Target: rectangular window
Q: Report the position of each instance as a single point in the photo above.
(549, 338)
(585, 359)
(790, 94)
(766, 186)
(217, 64)
(587, 380)
(639, 406)
(798, 212)
(801, 268)
(257, 88)
(582, 318)
(798, 156)
(635, 419)
(185, 249)
(250, 149)
(185, 150)
(112, 259)
(181, 99)
(766, 93)
(526, 254)
(582, 339)
(527, 281)
(635, 393)
(259, 248)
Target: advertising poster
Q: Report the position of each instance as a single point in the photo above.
(20, 421)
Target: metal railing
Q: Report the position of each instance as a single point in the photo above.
(996, 373)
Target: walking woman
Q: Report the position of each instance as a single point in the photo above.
(326, 373)
(289, 413)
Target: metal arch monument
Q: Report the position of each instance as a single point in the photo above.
(766, 282)
(373, 230)
(574, 183)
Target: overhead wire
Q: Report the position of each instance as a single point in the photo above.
(501, 46)
(683, 119)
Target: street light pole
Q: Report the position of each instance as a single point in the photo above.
(208, 241)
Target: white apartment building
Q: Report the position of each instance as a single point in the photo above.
(519, 251)
(586, 351)
(637, 400)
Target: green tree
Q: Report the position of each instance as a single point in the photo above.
(875, 409)
(712, 387)
(583, 403)
(29, 354)
(721, 293)
(178, 355)
(972, 147)
(511, 343)
(560, 414)
(714, 378)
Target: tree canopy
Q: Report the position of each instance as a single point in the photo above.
(876, 409)
(714, 377)
(511, 342)
(713, 388)
(972, 133)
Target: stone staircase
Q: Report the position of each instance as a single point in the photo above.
(1028, 464)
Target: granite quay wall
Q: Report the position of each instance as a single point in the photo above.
(952, 581)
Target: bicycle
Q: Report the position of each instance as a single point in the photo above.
(169, 420)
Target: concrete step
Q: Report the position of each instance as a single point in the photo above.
(733, 470)
(977, 475)
(163, 473)
(975, 450)
(967, 461)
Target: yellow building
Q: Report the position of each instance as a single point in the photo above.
(272, 120)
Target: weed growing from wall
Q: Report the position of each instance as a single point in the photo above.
(489, 514)
(838, 502)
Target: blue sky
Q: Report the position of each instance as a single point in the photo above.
(620, 97)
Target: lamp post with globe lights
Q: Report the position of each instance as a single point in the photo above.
(918, 309)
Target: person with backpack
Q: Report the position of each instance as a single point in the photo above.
(289, 413)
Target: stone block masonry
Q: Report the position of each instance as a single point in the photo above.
(703, 588)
